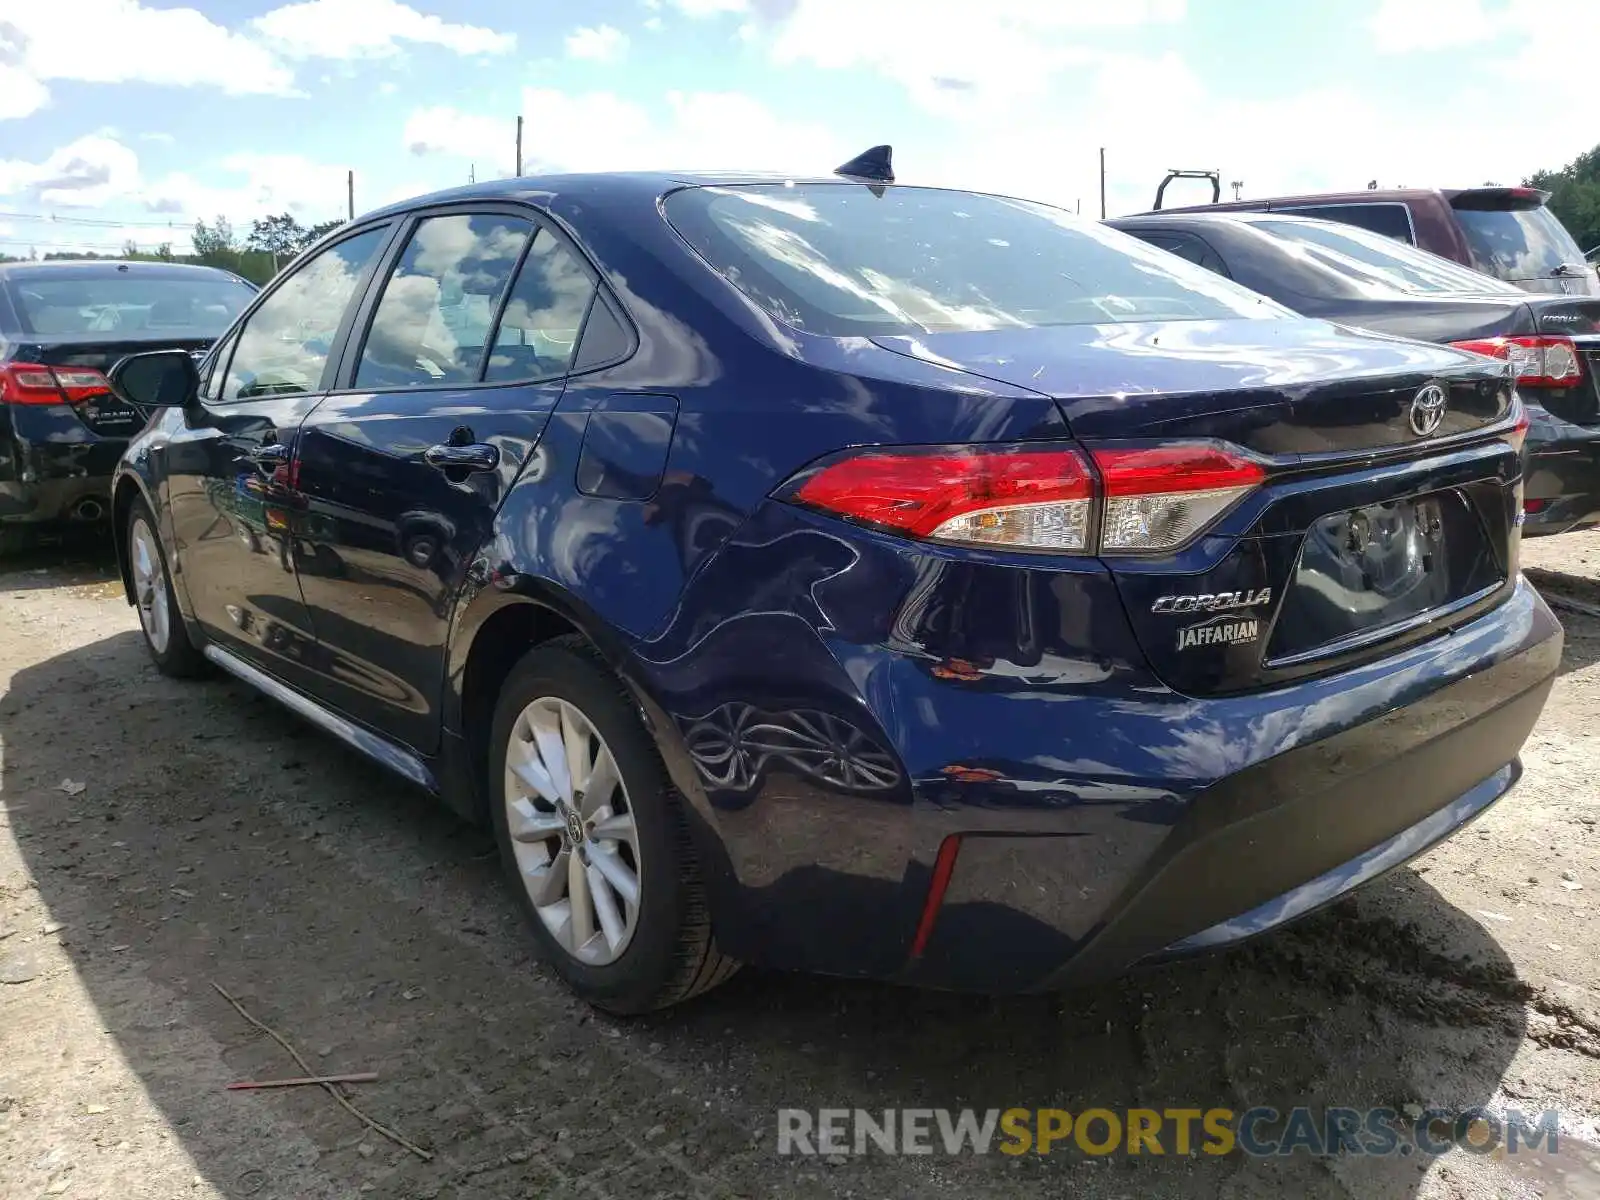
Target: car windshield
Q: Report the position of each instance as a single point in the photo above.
(1520, 243)
(129, 303)
(1378, 262)
(850, 260)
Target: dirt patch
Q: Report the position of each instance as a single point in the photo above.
(215, 838)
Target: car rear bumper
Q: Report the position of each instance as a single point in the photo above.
(53, 470)
(1561, 486)
(1272, 841)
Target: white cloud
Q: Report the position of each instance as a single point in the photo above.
(1404, 26)
(166, 139)
(709, 8)
(120, 41)
(600, 131)
(951, 62)
(653, 24)
(21, 94)
(101, 175)
(369, 29)
(602, 43)
(83, 174)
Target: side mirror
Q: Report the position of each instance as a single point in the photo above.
(157, 379)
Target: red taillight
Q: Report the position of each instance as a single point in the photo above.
(1038, 499)
(31, 383)
(1551, 362)
(1157, 498)
(1154, 499)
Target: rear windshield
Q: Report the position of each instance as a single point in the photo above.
(1523, 243)
(844, 260)
(1380, 263)
(129, 303)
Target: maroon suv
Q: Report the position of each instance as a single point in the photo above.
(1503, 231)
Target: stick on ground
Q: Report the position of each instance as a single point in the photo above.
(397, 1139)
(250, 1084)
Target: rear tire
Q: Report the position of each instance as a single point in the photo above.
(581, 803)
(165, 636)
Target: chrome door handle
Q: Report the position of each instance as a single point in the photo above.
(273, 455)
(477, 457)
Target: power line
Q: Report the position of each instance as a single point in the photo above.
(99, 222)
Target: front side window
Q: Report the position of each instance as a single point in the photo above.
(849, 260)
(438, 306)
(539, 330)
(284, 345)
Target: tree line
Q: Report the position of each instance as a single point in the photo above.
(257, 256)
(1575, 197)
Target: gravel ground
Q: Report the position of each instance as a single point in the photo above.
(217, 840)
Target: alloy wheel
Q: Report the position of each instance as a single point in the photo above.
(572, 830)
(150, 585)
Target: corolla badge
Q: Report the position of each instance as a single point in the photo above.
(1427, 410)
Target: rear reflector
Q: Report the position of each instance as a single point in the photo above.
(1153, 499)
(32, 383)
(1037, 499)
(1535, 361)
(944, 867)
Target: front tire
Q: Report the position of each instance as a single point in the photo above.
(165, 636)
(594, 838)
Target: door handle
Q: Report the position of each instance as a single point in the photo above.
(479, 456)
(273, 455)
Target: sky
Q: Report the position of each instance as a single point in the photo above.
(129, 119)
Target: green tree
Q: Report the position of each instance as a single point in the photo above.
(1575, 196)
(317, 231)
(280, 236)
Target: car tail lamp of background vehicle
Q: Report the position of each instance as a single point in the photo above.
(1546, 362)
(33, 383)
(1151, 499)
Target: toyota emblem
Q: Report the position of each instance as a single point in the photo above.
(1427, 410)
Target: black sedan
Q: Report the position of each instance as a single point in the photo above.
(62, 325)
(1355, 277)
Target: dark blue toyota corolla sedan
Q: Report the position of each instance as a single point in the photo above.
(873, 580)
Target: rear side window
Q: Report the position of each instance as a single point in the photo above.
(538, 332)
(1391, 220)
(439, 303)
(120, 303)
(1524, 243)
(849, 260)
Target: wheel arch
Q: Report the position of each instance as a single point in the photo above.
(495, 626)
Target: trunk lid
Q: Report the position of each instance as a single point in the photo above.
(1367, 534)
(105, 414)
(1279, 387)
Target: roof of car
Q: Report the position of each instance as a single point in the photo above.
(106, 266)
(1178, 216)
(639, 184)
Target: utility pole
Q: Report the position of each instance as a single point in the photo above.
(519, 145)
(1102, 183)
(350, 194)
(472, 172)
